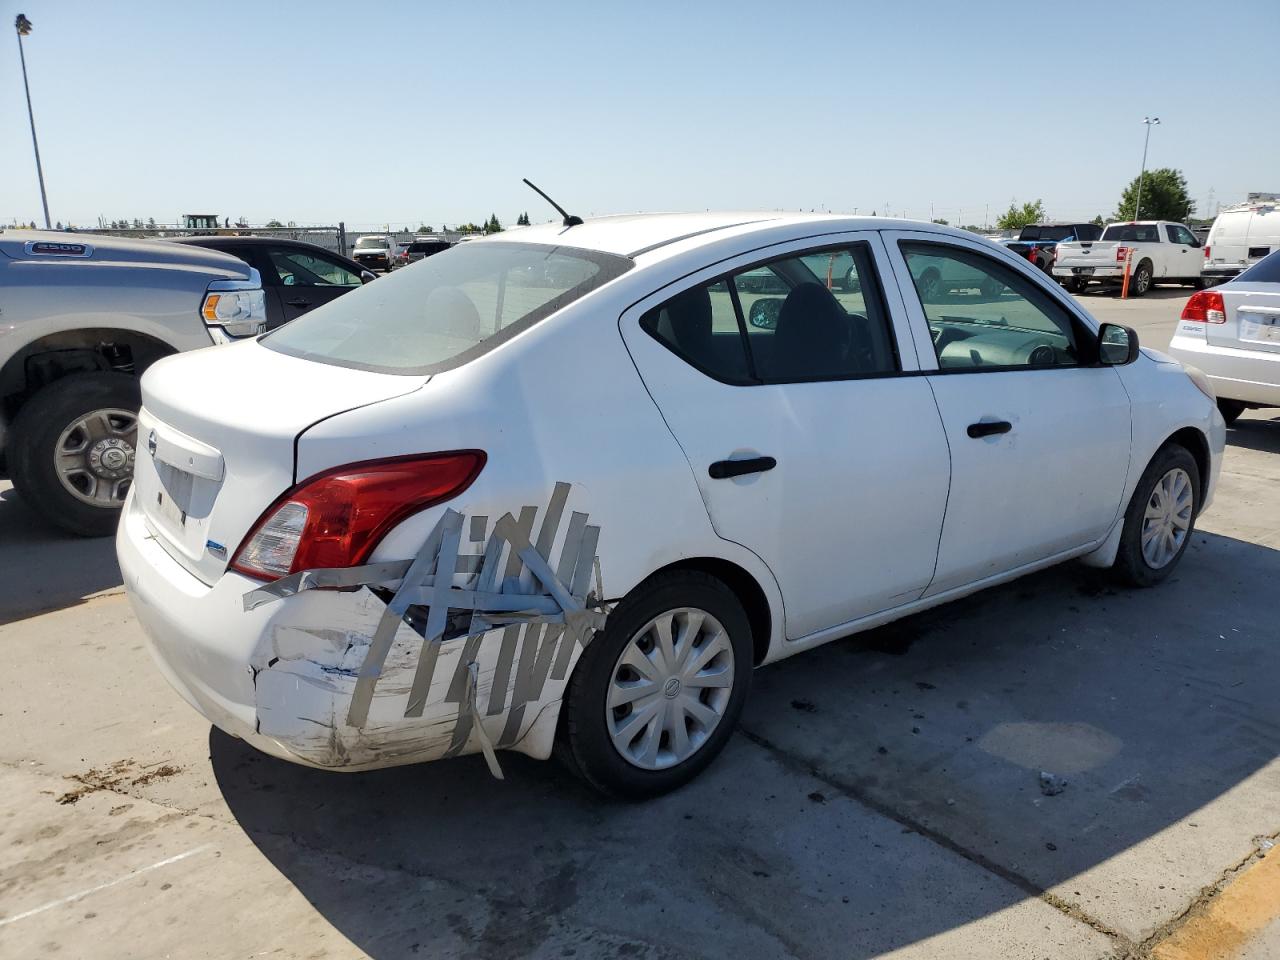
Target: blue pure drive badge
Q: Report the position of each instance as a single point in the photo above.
(217, 549)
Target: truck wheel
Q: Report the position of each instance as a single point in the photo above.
(72, 450)
(1075, 284)
(1141, 280)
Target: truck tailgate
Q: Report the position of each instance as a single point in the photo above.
(1096, 253)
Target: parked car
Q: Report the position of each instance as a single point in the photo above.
(1232, 333)
(457, 514)
(1037, 241)
(1242, 235)
(297, 276)
(1163, 252)
(82, 317)
(373, 252)
(423, 247)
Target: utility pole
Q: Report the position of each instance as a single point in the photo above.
(1150, 122)
(23, 26)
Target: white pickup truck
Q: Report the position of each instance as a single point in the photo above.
(1163, 252)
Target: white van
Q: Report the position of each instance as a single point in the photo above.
(1241, 236)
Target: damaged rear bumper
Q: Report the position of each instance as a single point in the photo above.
(335, 678)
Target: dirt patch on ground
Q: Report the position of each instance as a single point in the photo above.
(117, 776)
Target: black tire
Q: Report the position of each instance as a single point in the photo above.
(583, 730)
(1142, 280)
(1075, 284)
(990, 288)
(1230, 409)
(36, 430)
(1131, 565)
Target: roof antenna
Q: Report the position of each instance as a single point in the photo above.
(569, 219)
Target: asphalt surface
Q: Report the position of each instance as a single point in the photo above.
(882, 798)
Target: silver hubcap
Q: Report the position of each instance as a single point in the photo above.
(1167, 520)
(670, 688)
(94, 456)
(1144, 280)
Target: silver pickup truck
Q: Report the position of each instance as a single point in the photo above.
(81, 317)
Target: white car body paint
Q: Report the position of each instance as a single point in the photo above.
(586, 397)
(1241, 356)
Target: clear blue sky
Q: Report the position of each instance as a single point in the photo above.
(399, 112)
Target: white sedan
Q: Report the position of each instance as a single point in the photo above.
(1232, 333)
(575, 485)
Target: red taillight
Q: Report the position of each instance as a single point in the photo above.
(1206, 253)
(337, 518)
(1121, 253)
(1206, 306)
(1031, 254)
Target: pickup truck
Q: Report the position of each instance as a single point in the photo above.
(81, 317)
(1162, 252)
(1037, 241)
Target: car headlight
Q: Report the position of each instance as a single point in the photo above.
(1201, 381)
(238, 307)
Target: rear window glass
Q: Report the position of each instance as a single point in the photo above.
(1133, 232)
(427, 246)
(1266, 270)
(365, 242)
(448, 309)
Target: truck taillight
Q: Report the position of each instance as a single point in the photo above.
(1205, 306)
(1206, 253)
(1121, 253)
(337, 518)
(1031, 254)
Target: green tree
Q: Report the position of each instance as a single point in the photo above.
(1164, 197)
(274, 223)
(423, 228)
(522, 220)
(1098, 221)
(493, 225)
(1017, 217)
(941, 221)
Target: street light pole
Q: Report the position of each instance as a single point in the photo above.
(1150, 122)
(23, 26)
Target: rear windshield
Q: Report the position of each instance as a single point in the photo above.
(1133, 232)
(370, 242)
(1266, 270)
(427, 246)
(448, 309)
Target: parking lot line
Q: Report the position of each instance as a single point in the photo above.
(62, 901)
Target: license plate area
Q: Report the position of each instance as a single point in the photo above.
(173, 497)
(1259, 327)
(1082, 271)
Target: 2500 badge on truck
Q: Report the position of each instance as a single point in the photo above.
(81, 318)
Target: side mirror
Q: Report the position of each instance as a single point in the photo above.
(764, 313)
(1117, 345)
(367, 276)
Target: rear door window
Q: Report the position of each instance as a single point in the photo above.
(1266, 270)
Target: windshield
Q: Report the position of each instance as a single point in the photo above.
(447, 309)
(1133, 232)
(366, 242)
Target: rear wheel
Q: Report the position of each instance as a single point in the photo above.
(1161, 517)
(1141, 280)
(656, 696)
(73, 448)
(1075, 284)
(1230, 409)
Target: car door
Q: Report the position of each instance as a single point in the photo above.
(307, 279)
(787, 381)
(1186, 258)
(1039, 432)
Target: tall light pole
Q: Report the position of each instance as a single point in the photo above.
(1150, 122)
(23, 26)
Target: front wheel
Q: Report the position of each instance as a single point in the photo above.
(72, 450)
(655, 696)
(1161, 517)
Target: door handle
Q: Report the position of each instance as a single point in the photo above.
(989, 428)
(298, 302)
(724, 469)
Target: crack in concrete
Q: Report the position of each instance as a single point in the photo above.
(1124, 945)
(1198, 904)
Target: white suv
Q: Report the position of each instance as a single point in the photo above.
(578, 483)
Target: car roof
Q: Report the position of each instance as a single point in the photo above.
(633, 235)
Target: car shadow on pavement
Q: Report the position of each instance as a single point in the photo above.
(1258, 430)
(882, 789)
(44, 568)
(1155, 293)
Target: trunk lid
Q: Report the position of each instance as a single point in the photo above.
(1253, 317)
(217, 437)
